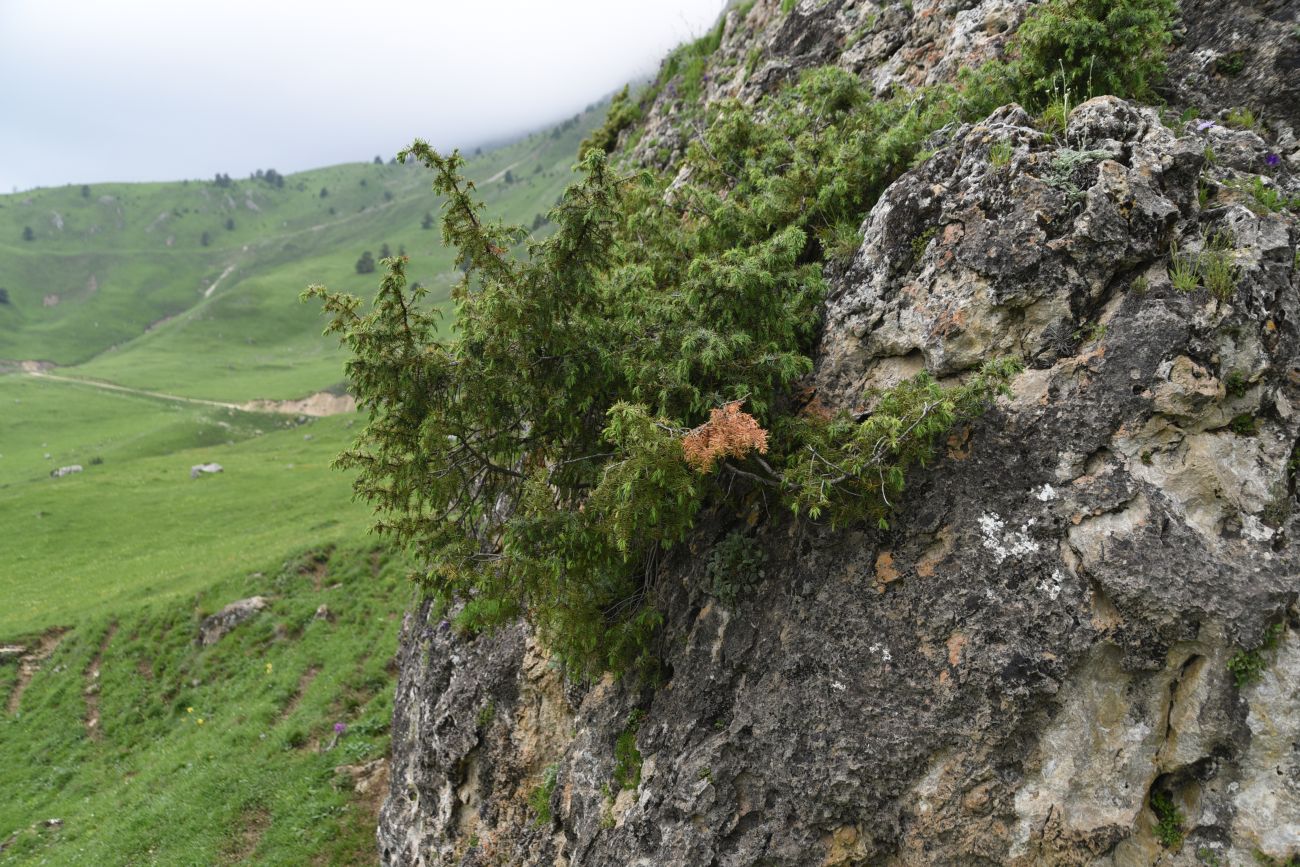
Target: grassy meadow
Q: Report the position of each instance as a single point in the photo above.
(190, 290)
(115, 283)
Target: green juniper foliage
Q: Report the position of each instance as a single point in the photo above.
(1086, 48)
(533, 458)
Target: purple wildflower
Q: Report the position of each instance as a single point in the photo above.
(1272, 159)
(340, 728)
(443, 626)
(1204, 125)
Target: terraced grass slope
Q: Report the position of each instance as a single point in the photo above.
(124, 742)
(192, 287)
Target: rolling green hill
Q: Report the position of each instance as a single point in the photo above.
(145, 747)
(192, 287)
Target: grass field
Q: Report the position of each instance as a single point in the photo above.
(150, 750)
(117, 280)
(148, 286)
(139, 528)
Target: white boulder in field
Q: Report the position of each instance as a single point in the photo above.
(200, 469)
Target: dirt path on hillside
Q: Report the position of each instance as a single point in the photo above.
(31, 663)
(501, 174)
(320, 404)
(207, 293)
(92, 686)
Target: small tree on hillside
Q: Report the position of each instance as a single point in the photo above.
(230, 224)
(427, 222)
(205, 239)
(510, 177)
(4, 296)
(366, 264)
(28, 234)
(85, 191)
(324, 192)
(379, 161)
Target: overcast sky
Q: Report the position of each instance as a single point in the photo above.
(127, 90)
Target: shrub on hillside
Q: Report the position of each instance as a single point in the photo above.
(544, 456)
(634, 368)
(1086, 48)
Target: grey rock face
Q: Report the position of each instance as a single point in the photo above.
(1049, 632)
(1040, 643)
(215, 627)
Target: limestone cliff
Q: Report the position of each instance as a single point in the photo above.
(1039, 662)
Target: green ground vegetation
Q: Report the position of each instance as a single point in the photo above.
(207, 755)
(115, 282)
(136, 526)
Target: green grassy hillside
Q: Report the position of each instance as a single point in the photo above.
(148, 749)
(117, 277)
(191, 290)
(137, 527)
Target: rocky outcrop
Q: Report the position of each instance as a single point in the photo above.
(217, 626)
(1044, 660)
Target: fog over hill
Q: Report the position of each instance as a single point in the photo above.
(141, 90)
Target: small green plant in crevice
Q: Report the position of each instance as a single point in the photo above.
(1217, 266)
(607, 819)
(539, 799)
(1184, 269)
(1244, 425)
(1236, 384)
(735, 563)
(1139, 285)
(1241, 118)
(486, 715)
(1000, 153)
(1090, 332)
(1231, 64)
(1265, 197)
(921, 241)
(1247, 666)
(1207, 857)
(1169, 820)
(787, 6)
(627, 758)
(1268, 860)
(1065, 165)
